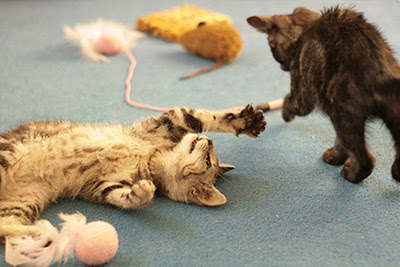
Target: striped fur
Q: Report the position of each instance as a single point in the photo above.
(42, 162)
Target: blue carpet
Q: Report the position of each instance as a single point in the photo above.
(285, 206)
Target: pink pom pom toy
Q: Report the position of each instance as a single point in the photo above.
(94, 243)
(108, 45)
(102, 37)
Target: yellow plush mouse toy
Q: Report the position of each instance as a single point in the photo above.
(202, 32)
(218, 41)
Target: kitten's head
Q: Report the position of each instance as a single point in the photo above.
(283, 31)
(190, 171)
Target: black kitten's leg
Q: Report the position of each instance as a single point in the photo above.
(396, 163)
(350, 132)
(336, 155)
(296, 104)
(393, 123)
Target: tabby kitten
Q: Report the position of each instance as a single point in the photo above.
(42, 162)
(340, 63)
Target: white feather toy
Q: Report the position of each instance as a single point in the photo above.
(94, 243)
(102, 37)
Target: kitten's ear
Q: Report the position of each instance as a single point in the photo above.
(207, 196)
(261, 23)
(304, 15)
(223, 167)
(301, 9)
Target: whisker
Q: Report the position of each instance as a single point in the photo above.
(207, 129)
(236, 188)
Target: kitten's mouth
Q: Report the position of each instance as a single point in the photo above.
(193, 144)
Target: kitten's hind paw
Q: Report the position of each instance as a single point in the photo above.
(396, 170)
(356, 172)
(335, 156)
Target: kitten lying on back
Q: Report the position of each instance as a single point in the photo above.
(341, 64)
(121, 166)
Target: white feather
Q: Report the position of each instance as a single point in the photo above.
(87, 34)
(48, 246)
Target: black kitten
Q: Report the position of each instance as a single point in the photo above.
(340, 63)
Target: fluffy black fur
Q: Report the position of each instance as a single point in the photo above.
(340, 63)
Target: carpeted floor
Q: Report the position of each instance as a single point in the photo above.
(285, 206)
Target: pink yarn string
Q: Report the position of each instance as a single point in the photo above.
(128, 80)
(274, 104)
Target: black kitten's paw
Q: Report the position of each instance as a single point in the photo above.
(254, 121)
(334, 156)
(287, 110)
(349, 174)
(396, 170)
(287, 115)
(356, 172)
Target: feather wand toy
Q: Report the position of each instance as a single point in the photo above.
(104, 37)
(94, 243)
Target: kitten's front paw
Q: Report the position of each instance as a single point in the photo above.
(137, 196)
(255, 123)
(287, 116)
(249, 121)
(142, 192)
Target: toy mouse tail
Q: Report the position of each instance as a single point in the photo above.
(204, 69)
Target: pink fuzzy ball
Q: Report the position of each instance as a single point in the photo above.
(96, 243)
(108, 45)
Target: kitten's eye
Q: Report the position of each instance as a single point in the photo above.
(208, 160)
